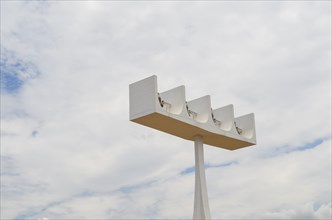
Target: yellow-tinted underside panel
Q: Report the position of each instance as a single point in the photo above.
(187, 131)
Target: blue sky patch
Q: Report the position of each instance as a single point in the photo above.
(221, 165)
(288, 149)
(310, 145)
(132, 188)
(188, 170)
(34, 133)
(207, 165)
(15, 71)
(10, 82)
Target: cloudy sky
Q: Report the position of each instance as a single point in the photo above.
(69, 151)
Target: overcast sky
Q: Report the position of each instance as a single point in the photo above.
(69, 151)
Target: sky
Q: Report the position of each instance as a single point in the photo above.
(69, 151)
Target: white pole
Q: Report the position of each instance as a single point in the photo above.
(201, 202)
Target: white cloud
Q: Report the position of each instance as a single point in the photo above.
(69, 151)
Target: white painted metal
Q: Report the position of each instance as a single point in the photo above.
(202, 109)
(225, 115)
(201, 201)
(170, 112)
(193, 120)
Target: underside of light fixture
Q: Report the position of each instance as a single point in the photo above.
(170, 112)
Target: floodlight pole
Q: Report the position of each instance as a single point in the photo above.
(201, 202)
(193, 120)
